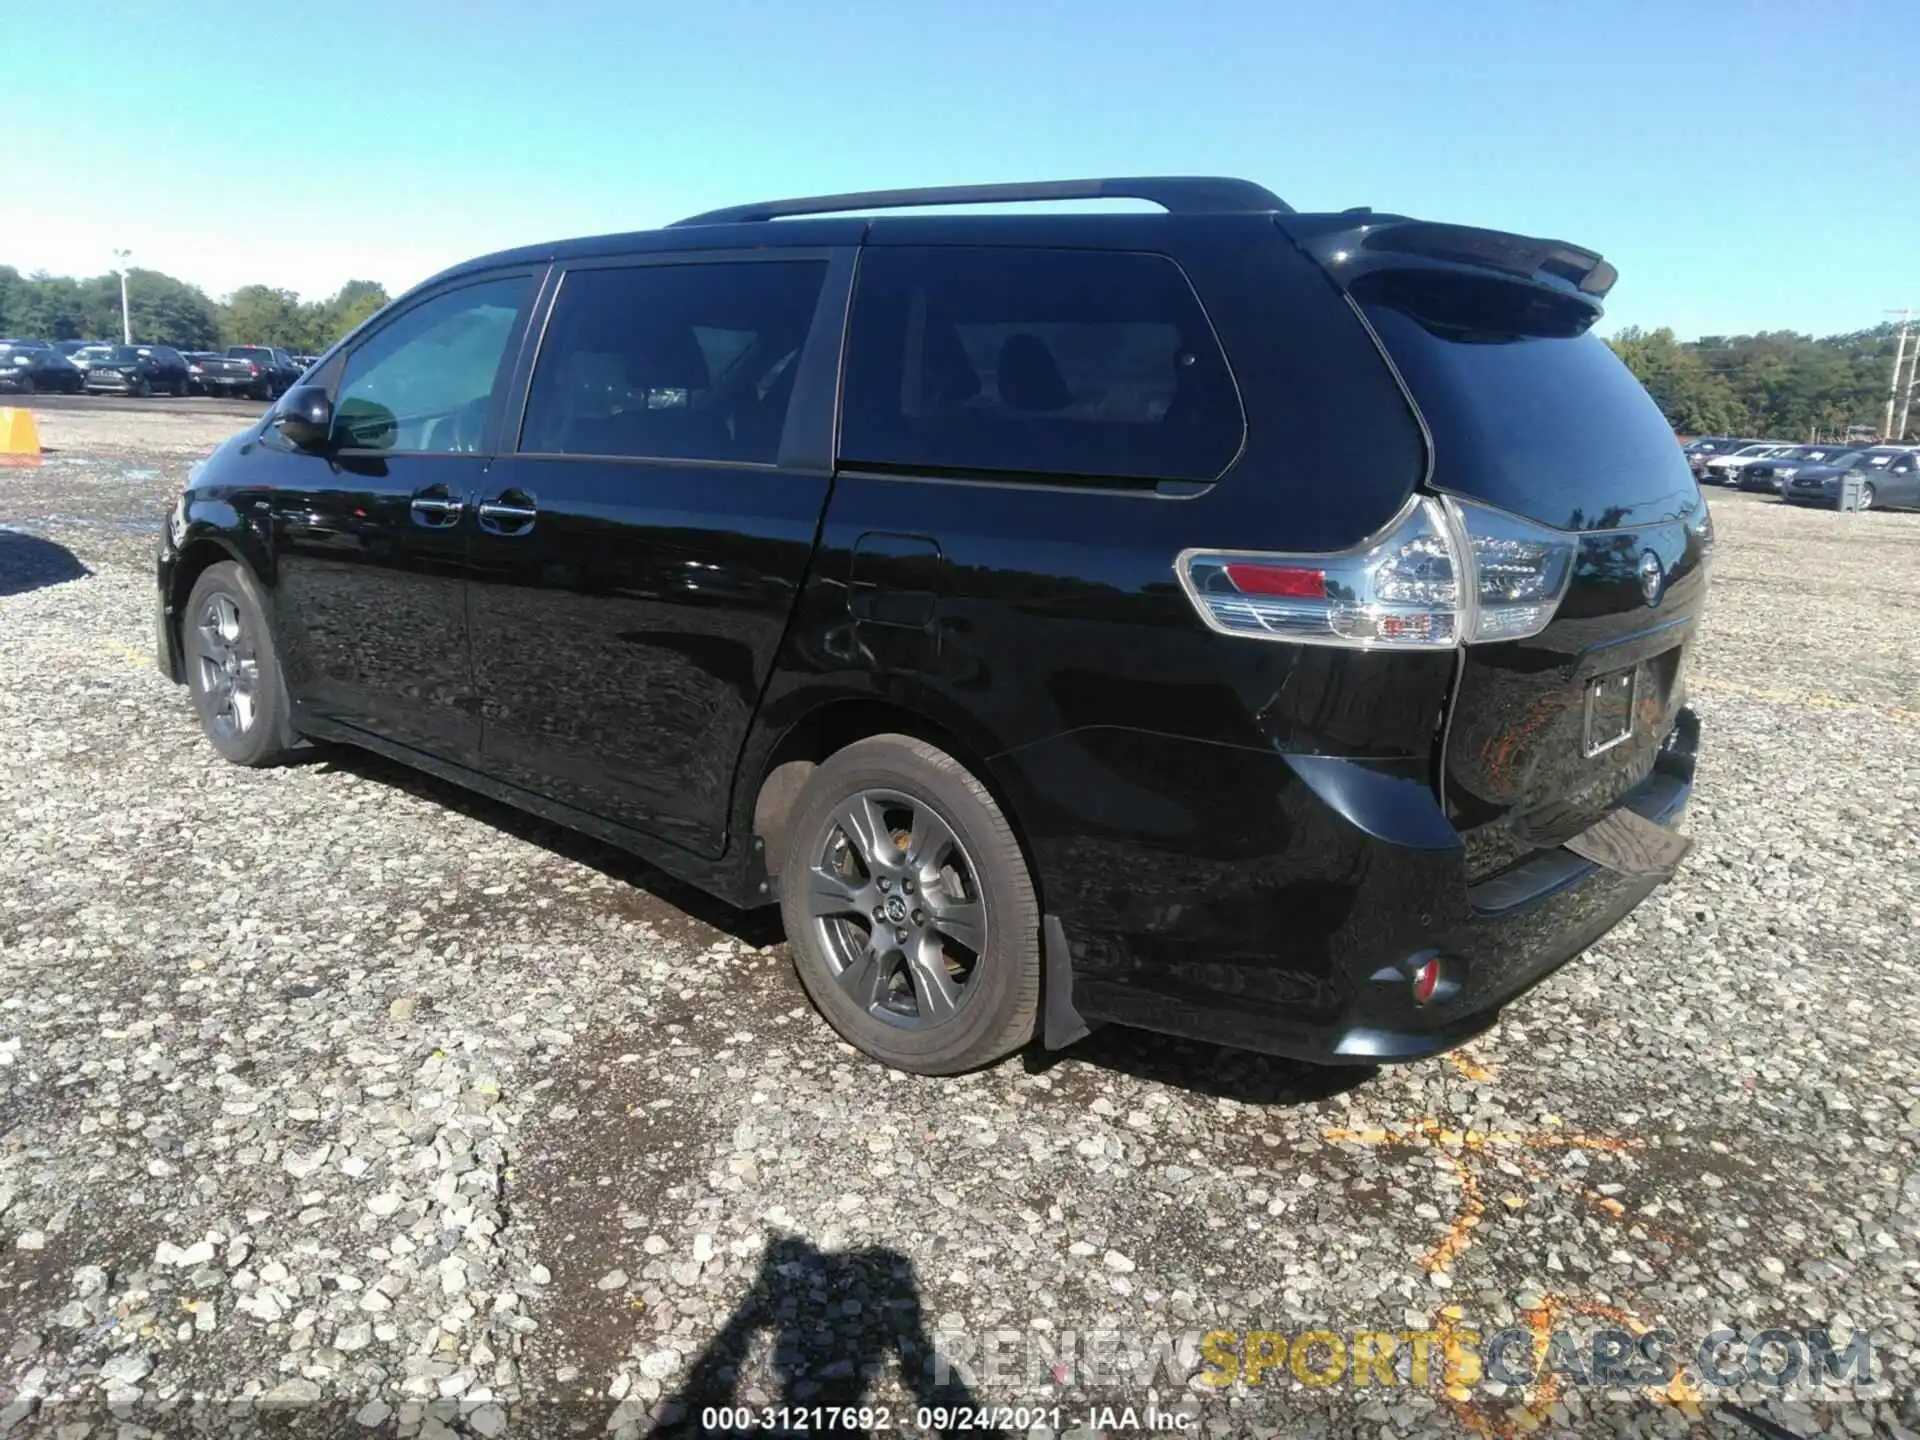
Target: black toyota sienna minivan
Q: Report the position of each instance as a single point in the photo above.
(1234, 622)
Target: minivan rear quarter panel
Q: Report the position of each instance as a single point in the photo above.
(1160, 772)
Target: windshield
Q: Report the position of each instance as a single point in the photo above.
(1859, 460)
(118, 352)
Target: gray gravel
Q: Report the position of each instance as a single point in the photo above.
(336, 1090)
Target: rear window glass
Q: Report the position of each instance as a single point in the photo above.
(1548, 425)
(1035, 362)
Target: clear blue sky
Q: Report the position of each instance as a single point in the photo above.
(1745, 165)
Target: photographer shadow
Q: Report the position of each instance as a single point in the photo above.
(836, 1320)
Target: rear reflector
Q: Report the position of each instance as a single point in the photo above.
(1426, 980)
(1445, 572)
(1278, 580)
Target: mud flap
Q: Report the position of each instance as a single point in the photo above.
(1060, 1024)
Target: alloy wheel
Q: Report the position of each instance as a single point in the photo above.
(896, 906)
(229, 664)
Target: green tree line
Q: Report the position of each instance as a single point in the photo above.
(171, 312)
(1776, 383)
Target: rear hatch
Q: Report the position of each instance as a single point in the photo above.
(1529, 412)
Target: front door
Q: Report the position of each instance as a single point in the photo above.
(634, 564)
(370, 538)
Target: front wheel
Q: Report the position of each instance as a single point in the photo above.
(28, 385)
(141, 388)
(233, 668)
(909, 910)
(1866, 496)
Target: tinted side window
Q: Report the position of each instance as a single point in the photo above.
(1084, 363)
(423, 382)
(686, 362)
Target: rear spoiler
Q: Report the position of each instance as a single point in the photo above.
(1355, 242)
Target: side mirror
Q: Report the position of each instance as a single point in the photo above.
(305, 416)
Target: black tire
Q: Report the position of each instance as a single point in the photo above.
(999, 991)
(264, 735)
(141, 388)
(27, 385)
(179, 390)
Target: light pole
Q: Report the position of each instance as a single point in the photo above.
(126, 315)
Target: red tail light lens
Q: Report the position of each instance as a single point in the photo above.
(1286, 580)
(1426, 980)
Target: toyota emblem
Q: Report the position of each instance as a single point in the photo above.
(1651, 577)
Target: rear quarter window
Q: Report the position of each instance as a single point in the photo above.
(1545, 422)
(1034, 363)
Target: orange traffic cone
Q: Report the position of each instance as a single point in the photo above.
(19, 437)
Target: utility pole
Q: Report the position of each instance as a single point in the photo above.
(126, 315)
(1893, 385)
(1906, 394)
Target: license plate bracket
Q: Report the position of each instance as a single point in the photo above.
(1609, 710)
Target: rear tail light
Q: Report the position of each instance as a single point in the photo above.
(255, 369)
(1444, 573)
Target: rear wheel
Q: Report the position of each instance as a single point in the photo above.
(179, 390)
(141, 387)
(27, 385)
(909, 910)
(233, 668)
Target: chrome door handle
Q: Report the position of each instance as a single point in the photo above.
(492, 510)
(510, 515)
(438, 513)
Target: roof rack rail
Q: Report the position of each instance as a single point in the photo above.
(1179, 194)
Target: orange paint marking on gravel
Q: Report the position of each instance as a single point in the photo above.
(1534, 1411)
(1469, 1067)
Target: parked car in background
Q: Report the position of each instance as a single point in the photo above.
(136, 369)
(259, 371)
(196, 360)
(1707, 447)
(82, 355)
(1773, 472)
(1721, 469)
(1890, 479)
(33, 367)
(946, 580)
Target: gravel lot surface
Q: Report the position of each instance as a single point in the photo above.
(335, 1089)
